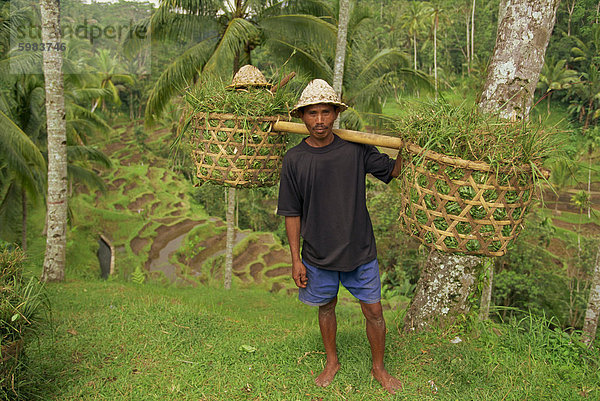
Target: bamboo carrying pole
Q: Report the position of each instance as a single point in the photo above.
(346, 134)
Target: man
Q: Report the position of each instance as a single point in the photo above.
(323, 198)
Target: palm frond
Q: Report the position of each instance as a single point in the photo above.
(166, 25)
(21, 63)
(95, 120)
(360, 16)
(83, 95)
(351, 119)
(238, 33)
(20, 154)
(301, 29)
(382, 61)
(300, 59)
(87, 153)
(318, 8)
(82, 175)
(181, 73)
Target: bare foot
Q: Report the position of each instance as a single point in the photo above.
(327, 375)
(387, 381)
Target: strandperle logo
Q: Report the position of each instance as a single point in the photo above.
(89, 30)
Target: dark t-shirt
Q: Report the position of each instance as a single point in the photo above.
(326, 187)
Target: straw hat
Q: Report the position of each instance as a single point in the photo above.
(248, 76)
(317, 91)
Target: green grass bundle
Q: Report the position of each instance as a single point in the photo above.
(231, 133)
(470, 191)
(213, 96)
(463, 132)
(22, 302)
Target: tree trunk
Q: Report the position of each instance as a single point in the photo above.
(486, 291)
(230, 238)
(415, 49)
(340, 51)
(24, 220)
(435, 76)
(56, 217)
(570, 9)
(523, 34)
(442, 291)
(590, 324)
(473, 32)
(524, 29)
(468, 47)
(589, 204)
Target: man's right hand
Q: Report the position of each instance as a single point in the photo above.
(299, 274)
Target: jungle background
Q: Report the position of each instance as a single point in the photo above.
(162, 327)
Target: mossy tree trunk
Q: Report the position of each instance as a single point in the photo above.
(590, 324)
(443, 290)
(524, 28)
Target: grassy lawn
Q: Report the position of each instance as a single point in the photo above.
(121, 341)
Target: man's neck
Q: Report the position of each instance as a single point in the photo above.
(319, 143)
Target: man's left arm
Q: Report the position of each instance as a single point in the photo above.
(381, 165)
(397, 166)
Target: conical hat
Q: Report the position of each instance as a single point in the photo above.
(247, 76)
(317, 91)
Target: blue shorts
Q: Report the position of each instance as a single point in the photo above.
(322, 287)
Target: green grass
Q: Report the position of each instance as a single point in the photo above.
(121, 341)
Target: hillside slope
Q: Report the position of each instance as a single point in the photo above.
(148, 215)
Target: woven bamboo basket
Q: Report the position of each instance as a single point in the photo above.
(237, 151)
(455, 205)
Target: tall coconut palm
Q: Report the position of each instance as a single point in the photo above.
(414, 19)
(56, 217)
(106, 70)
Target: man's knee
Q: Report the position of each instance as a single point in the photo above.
(373, 313)
(328, 308)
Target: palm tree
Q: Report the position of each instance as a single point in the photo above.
(228, 32)
(414, 20)
(56, 220)
(105, 67)
(562, 175)
(555, 76)
(22, 167)
(585, 96)
(586, 53)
